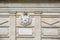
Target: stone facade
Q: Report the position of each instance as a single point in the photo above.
(30, 21)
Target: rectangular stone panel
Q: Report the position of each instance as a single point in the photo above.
(4, 31)
(49, 39)
(50, 31)
(24, 31)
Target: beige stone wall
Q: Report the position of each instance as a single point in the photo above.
(45, 25)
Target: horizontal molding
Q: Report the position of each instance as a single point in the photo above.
(30, 5)
(50, 16)
(56, 37)
(50, 26)
(4, 26)
(25, 27)
(4, 36)
(25, 37)
(55, 10)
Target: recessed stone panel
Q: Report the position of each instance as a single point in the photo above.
(4, 31)
(50, 31)
(24, 31)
